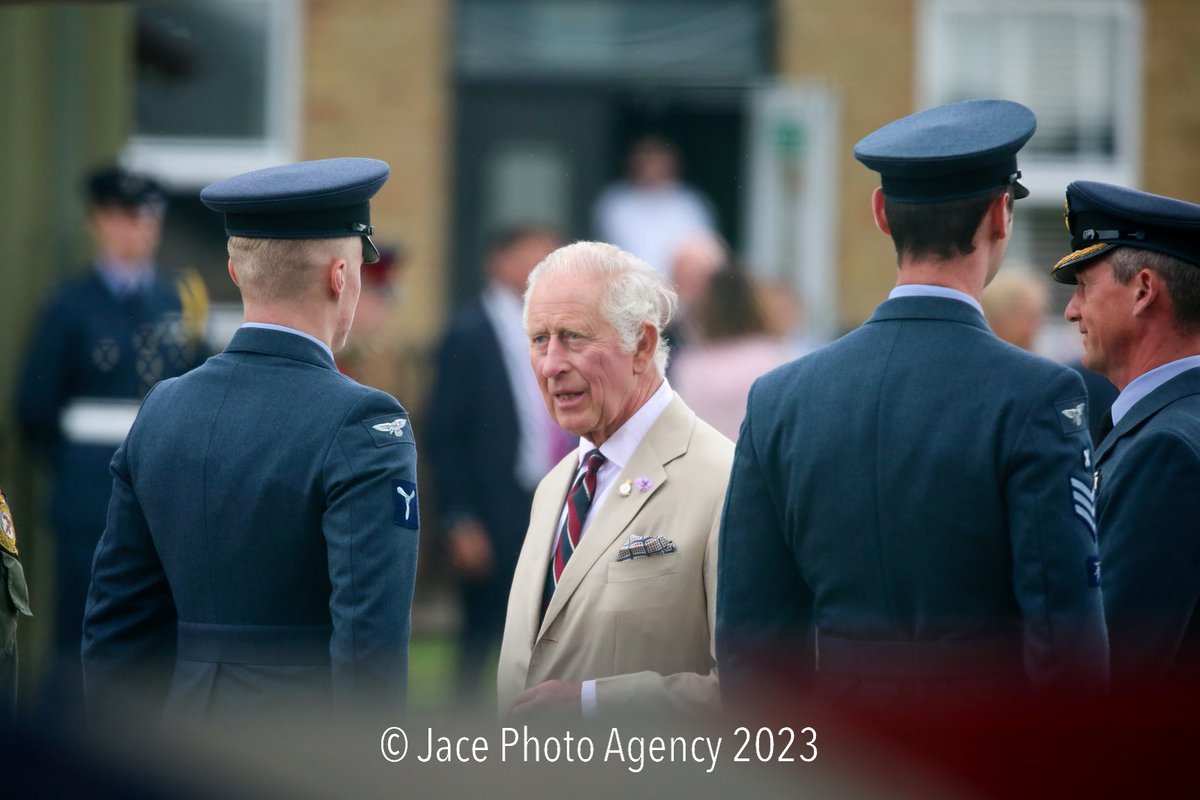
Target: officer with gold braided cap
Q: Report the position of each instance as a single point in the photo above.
(1135, 266)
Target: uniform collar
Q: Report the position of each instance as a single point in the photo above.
(280, 340)
(1147, 382)
(929, 290)
(1182, 384)
(931, 307)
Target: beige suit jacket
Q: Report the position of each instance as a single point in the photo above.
(642, 628)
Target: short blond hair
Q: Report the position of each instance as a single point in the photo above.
(270, 270)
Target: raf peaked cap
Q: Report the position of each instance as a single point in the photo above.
(324, 199)
(950, 152)
(114, 186)
(1101, 216)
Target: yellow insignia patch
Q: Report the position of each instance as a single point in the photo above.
(8, 531)
(1078, 254)
(1067, 214)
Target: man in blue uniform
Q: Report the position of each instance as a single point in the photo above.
(261, 545)
(909, 515)
(1136, 270)
(103, 339)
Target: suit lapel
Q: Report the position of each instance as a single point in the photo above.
(1183, 385)
(666, 440)
(535, 555)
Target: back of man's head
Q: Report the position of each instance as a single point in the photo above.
(941, 231)
(289, 271)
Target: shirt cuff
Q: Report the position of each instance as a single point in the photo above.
(587, 699)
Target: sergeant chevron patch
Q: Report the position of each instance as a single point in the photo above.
(1084, 501)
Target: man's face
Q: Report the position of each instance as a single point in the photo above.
(589, 386)
(127, 234)
(512, 266)
(1103, 309)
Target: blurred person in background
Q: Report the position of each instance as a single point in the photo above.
(14, 602)
(693, 263)
(374, 355)
(489, 441)
(1014, 304)
(736, 347)
(651, 212)
(102, 341)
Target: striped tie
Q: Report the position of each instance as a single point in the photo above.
(578, 503)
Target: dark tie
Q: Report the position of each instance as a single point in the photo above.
(1106, 425)
(578, 503)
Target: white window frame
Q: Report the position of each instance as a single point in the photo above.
(1047, 176)
(186, 162)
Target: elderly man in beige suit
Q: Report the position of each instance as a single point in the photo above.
(614, 597)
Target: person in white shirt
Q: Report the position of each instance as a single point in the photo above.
(652, 212)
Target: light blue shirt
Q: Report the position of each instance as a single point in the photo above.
(269, 326)
(1147, 382)
(926, 290)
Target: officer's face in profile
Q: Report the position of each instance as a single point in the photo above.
(127, 234)
(1103, 309)
(589, 385)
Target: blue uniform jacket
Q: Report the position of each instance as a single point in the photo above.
(261, 540)
(902, 508)
(1148, 510)
(88, 343)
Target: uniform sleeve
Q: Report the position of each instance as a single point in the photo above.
(1054, 546)
(371, 525)
(45, 377)
(764, 607)
(1150, 549)
(130, 619)
(681, 693)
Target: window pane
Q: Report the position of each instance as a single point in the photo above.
(202, 69)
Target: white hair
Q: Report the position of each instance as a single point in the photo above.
(635, 294)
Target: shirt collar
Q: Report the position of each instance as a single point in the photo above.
(928, 290)
(1147, 382)
(620, 446)
(122, 280)
(269, 326)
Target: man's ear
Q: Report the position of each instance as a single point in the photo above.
(647, 346)
(1147, 286)
(999, 217)
(338, 272)
(233, 274)
(877, 208)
